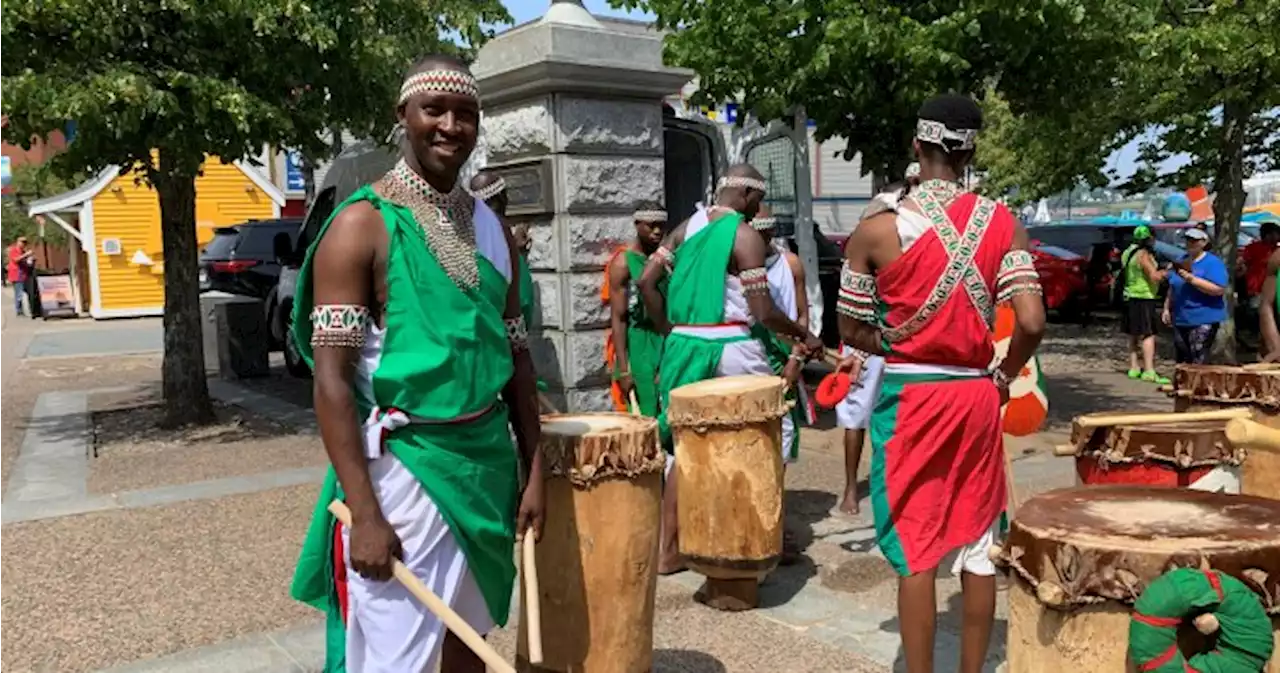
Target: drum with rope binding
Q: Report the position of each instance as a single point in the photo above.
(1078, 559)
(728, 437)
(1028, 405)
(599, 551)
(1256, 387)
(1193, 454)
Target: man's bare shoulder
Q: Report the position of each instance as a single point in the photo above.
(354, 230)
(878, 226)
(1273, 262)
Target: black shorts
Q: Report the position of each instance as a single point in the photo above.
(1141, 317)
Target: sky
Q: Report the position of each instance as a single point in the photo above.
(525, 10)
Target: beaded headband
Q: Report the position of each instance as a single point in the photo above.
(936, 132)
(440, 81)
(739, 181)
(490, 190)
(650, 216)
(764, 223)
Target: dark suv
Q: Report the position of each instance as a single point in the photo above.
(241, 258)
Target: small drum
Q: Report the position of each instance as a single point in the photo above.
(1080, 557)
(1204, 387)
(598, 558)
(728, 437)
(1194, 454)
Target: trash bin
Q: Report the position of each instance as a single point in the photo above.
(237, 341)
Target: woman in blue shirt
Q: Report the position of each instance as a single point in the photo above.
(1195, 304)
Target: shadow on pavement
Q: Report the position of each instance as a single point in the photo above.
(803, 508)
(686, 661)
(1073, 394)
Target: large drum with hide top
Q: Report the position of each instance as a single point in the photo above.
(599, 551)
(1256, 387)
(1080, 558)
(1193, 454)
(728, 438)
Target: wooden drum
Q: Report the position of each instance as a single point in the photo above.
(1194, 454)
(1204, 387)
(1080, 557)
(728, 437)
(598, 558)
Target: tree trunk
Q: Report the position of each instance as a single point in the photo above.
(1228, 204)
(186, 393)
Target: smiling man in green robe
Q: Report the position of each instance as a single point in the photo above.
(409, 313)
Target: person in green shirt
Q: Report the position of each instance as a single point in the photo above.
(1141, 317)
(717, 292)
(636, 343)
(408, 312)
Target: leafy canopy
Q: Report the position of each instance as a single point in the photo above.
(862, 69)
(221, 77)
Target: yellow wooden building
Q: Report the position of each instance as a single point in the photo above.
(117, 223)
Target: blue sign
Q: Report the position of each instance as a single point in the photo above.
(5, 173)
(293, 172)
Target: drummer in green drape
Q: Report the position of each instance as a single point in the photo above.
(408, 311)
(634, 344)
(717, 291)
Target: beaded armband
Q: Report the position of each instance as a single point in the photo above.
(1017, 276)
(339, 325)
(663, 254)
(754, 281)
(517, 334)
(858, 292)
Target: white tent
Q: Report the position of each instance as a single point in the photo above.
(1042, 213)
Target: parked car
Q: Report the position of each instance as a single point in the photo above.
(1101, 244)
(1063, 277)
(240, 259)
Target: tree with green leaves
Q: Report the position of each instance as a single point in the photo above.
(158, 86)
(31, 181)
(861, 70)
(1198, 81)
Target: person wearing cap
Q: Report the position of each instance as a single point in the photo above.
(1196, 303)
(920, 287)
(1142, 280)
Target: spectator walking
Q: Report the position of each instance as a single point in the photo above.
(1196, 305)
(1142, 280)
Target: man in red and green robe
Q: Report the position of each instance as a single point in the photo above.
(408, 312)
(920, 287)
(633, 345)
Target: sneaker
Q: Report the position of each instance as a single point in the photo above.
(1135, 373)
(1152, 377)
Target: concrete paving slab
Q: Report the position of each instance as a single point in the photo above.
(254, 654)
(304, 644)
(230, 392)
(103, 340)
(35, 510)
(52, 463)
(220, 488)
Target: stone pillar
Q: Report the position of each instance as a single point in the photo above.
(573, 123)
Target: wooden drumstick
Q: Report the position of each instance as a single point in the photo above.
(1099, 421)
(1064, 450)
(546, 404)
(532, 599)
(1249, 434)
(451, 620)
(635, 403)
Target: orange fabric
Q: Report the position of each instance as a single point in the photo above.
(610, 351)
